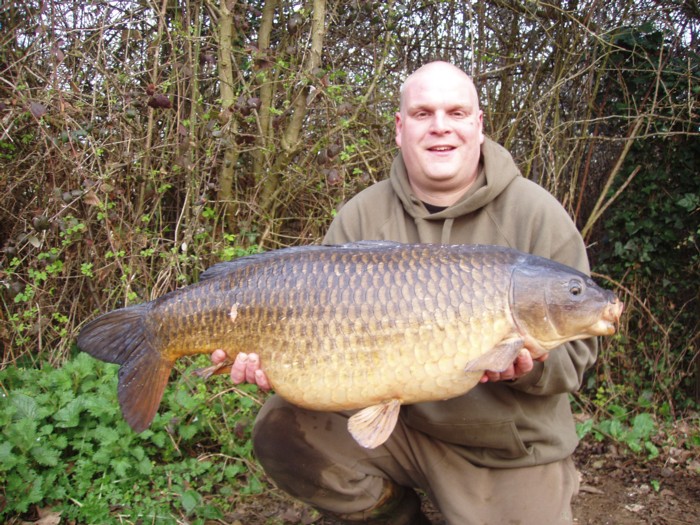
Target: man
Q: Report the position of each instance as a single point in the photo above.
(499, 454)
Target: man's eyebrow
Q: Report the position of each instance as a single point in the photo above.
(466, 107)
(419, 107)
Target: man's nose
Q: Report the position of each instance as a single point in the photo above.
(440, 123)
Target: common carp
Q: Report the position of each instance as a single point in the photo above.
(368, 325)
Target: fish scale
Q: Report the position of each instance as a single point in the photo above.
(368, 326)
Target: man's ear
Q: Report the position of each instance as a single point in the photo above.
(399, 125)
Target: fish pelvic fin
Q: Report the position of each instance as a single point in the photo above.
(373, 425)
(498, 358)
(121, 337)
(220, 368)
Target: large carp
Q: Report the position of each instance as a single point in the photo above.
(368, 325)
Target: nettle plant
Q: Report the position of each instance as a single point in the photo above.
(65, 446)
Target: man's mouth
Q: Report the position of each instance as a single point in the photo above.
(441, 148)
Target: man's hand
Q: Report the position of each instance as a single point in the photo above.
(246, 368)
(522, 365)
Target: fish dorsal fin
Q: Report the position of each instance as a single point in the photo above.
(373, 425)
(498, 358)
(224, 268)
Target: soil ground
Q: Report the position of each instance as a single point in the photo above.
(616, 489)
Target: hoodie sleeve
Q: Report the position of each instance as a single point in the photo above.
(563, 370)
(557, 238)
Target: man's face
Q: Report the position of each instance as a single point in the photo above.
(439, 131)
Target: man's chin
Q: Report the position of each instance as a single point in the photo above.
(442, 175)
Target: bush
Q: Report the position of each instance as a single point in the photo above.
(648, 244)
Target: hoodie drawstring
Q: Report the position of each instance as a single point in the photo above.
(426, 230)
(447, 230)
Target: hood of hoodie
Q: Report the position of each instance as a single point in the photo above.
(497, 171)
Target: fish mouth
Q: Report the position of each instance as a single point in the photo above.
(613, 311)
(610, 318)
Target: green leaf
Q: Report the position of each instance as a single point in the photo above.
(121, 466)
(145, 467)
(652, 449)
(60, 442)
(103, 456)
(582, 429)
(189, 499)
(107, 435)
(22, 434)
(63, 440)
(643, 426)
(689, 202)
(187, 432)
(8, 460)
(159, 439)
(615, 429)
(25, 406)
(69, 415)
(45, 456)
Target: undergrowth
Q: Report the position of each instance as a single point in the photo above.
(631, 416)
(64, 445)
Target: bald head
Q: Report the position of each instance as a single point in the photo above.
(438, 72)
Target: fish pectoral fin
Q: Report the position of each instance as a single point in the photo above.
(498, 358)
(373, 425)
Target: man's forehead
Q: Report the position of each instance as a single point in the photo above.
(431, 94)
(435, 83)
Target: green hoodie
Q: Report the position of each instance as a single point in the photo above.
(510, 423)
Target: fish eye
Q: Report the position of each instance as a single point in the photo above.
(575, 287)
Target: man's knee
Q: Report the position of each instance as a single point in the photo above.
(311, 456)
(282, 448)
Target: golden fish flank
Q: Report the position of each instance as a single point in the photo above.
(368, 325)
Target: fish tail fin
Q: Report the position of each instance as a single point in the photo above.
(121, 337)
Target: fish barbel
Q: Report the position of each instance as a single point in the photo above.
(369, 325)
